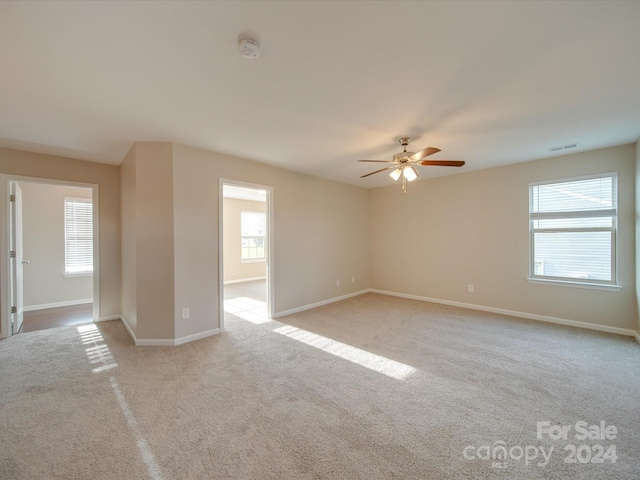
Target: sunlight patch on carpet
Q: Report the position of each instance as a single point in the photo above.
(374, 362)
(248, 309)
(147, 455)
(97, 351)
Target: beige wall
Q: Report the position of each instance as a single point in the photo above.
(147, 214)
(321, 234)
(107, 177)
(449, 232)
(234, 268)
(43, 233)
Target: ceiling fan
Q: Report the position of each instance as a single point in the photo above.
(404, 163)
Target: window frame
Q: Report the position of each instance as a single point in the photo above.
(612, 213)
(67, 264)
(263, 237)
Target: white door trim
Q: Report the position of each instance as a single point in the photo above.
(16, 264)
(5, 265)
(270, 245)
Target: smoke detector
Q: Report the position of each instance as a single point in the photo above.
(249, 48)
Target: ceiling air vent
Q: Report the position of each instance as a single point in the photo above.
(563, 147)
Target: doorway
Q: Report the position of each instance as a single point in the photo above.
(246, 253)
(52, 269)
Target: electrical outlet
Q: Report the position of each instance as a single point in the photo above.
(470, 288)
(353, 279)
(337, 283)
(185, 313)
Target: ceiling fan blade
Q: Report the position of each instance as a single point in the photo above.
(442, 163)
(377, 171)
(424, 153)
(377, 161)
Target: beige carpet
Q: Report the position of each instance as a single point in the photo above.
(373, 387)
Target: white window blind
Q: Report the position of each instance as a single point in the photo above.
(573, 230)
(78, 235)
(253, 228)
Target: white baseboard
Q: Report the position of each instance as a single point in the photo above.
(174, 342)
(242, 280)
(68, 303)
(129, 330)
(196, 336)
(319, 304)
(154, 342)
(530, 316)
(162, 342)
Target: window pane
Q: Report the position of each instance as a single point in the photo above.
(573, 222)
(253, 224)
(588, 208)
(575, 255)
(253, 228)
(579, 195)
(78, 238)
(252, 247)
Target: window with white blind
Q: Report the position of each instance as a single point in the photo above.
(253, 228)
(572, 226)
(78, 236)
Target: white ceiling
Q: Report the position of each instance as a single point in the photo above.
(491, 83)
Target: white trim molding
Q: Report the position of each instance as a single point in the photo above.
(470, 306)
(270, 254)
(129, 330)
(196, 336)
(171, 342)
(530, 316)
(5, 270)
(68, 303)
(319, 304)
(566, 283)
(161, 342)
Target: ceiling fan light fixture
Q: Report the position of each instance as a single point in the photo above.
(410, 173)
(404, 163)
(396, 174)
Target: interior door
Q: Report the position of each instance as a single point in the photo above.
(17, 259)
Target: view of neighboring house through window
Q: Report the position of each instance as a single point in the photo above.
(573, 230)
(78, 236)
(253, 228)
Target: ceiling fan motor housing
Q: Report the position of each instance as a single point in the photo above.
(402, 157)
(404, 163)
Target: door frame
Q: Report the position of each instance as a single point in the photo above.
(5, 232)
(16, 263)
(270, 244)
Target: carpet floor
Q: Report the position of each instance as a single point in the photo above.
(372, 387)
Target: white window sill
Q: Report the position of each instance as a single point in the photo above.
(567, 283)
(253, 260)
(78, 274)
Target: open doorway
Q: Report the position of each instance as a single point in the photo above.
(51, 237)
(246, 242)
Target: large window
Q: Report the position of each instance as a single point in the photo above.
(78, 236)
(573, 230)
(253, 228)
